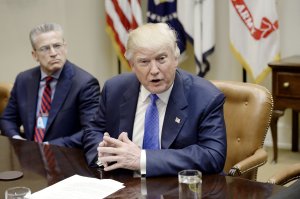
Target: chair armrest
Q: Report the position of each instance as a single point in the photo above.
(254, 161)
(290, 173)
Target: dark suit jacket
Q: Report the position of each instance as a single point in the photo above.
(75, 101)
(198, 141)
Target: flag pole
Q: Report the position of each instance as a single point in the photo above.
(119, 66)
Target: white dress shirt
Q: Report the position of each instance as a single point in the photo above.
(138, 127)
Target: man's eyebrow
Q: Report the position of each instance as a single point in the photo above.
(141, 58)
(162, 53)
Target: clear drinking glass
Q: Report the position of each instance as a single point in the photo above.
(190, 183)
(18, 193)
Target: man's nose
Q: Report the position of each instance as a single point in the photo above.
(154, 67)
(52, 50)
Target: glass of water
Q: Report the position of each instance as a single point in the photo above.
(190, 183)
(18, 193)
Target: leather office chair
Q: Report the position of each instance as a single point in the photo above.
(247, 112)
(286, 175)
(5, 89)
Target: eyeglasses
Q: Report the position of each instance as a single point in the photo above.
(47, 49)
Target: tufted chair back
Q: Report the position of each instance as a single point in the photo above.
(5, 89)
(247, 112)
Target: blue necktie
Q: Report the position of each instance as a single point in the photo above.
(151, 140)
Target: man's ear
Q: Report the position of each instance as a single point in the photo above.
(177, 61)
(131, 65)
(66, 47)
(34, 55)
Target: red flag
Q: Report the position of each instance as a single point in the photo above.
(121, 17)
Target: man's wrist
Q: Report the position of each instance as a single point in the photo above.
(18, 137)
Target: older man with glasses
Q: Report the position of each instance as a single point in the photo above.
(53, 101)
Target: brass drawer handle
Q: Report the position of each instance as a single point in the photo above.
(286, 84)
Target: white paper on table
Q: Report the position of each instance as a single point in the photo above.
(79, 187)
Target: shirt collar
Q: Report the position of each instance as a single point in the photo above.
(54, 75)
(164, 97)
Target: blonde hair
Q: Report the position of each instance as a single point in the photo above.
(151, 36)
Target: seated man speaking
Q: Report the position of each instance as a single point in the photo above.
(159, 119)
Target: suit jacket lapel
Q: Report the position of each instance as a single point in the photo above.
(176, 113)
(32, 97)
(61, 92)
(128, 107)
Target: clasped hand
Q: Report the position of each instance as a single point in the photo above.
(119, 153)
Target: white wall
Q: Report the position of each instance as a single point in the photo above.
(89, 46)
(83, 22)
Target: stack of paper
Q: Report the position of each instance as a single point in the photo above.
(79, 187)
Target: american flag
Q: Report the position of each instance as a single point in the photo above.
(121, 17)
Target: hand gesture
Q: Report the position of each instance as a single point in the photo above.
(121, 153)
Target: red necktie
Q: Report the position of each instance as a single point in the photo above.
(50, 164)
(44, 110)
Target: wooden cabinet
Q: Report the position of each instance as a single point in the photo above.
(286, 94)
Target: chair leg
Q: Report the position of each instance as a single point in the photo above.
(275, 116)
(295, 128)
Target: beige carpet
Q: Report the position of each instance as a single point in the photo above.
(285, 157)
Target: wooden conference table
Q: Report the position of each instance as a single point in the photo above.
(26, 156)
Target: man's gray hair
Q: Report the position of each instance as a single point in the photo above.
(43, 28)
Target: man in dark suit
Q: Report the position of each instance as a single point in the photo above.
(73, 94)
(191, 133)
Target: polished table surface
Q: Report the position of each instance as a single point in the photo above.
(26, 156)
